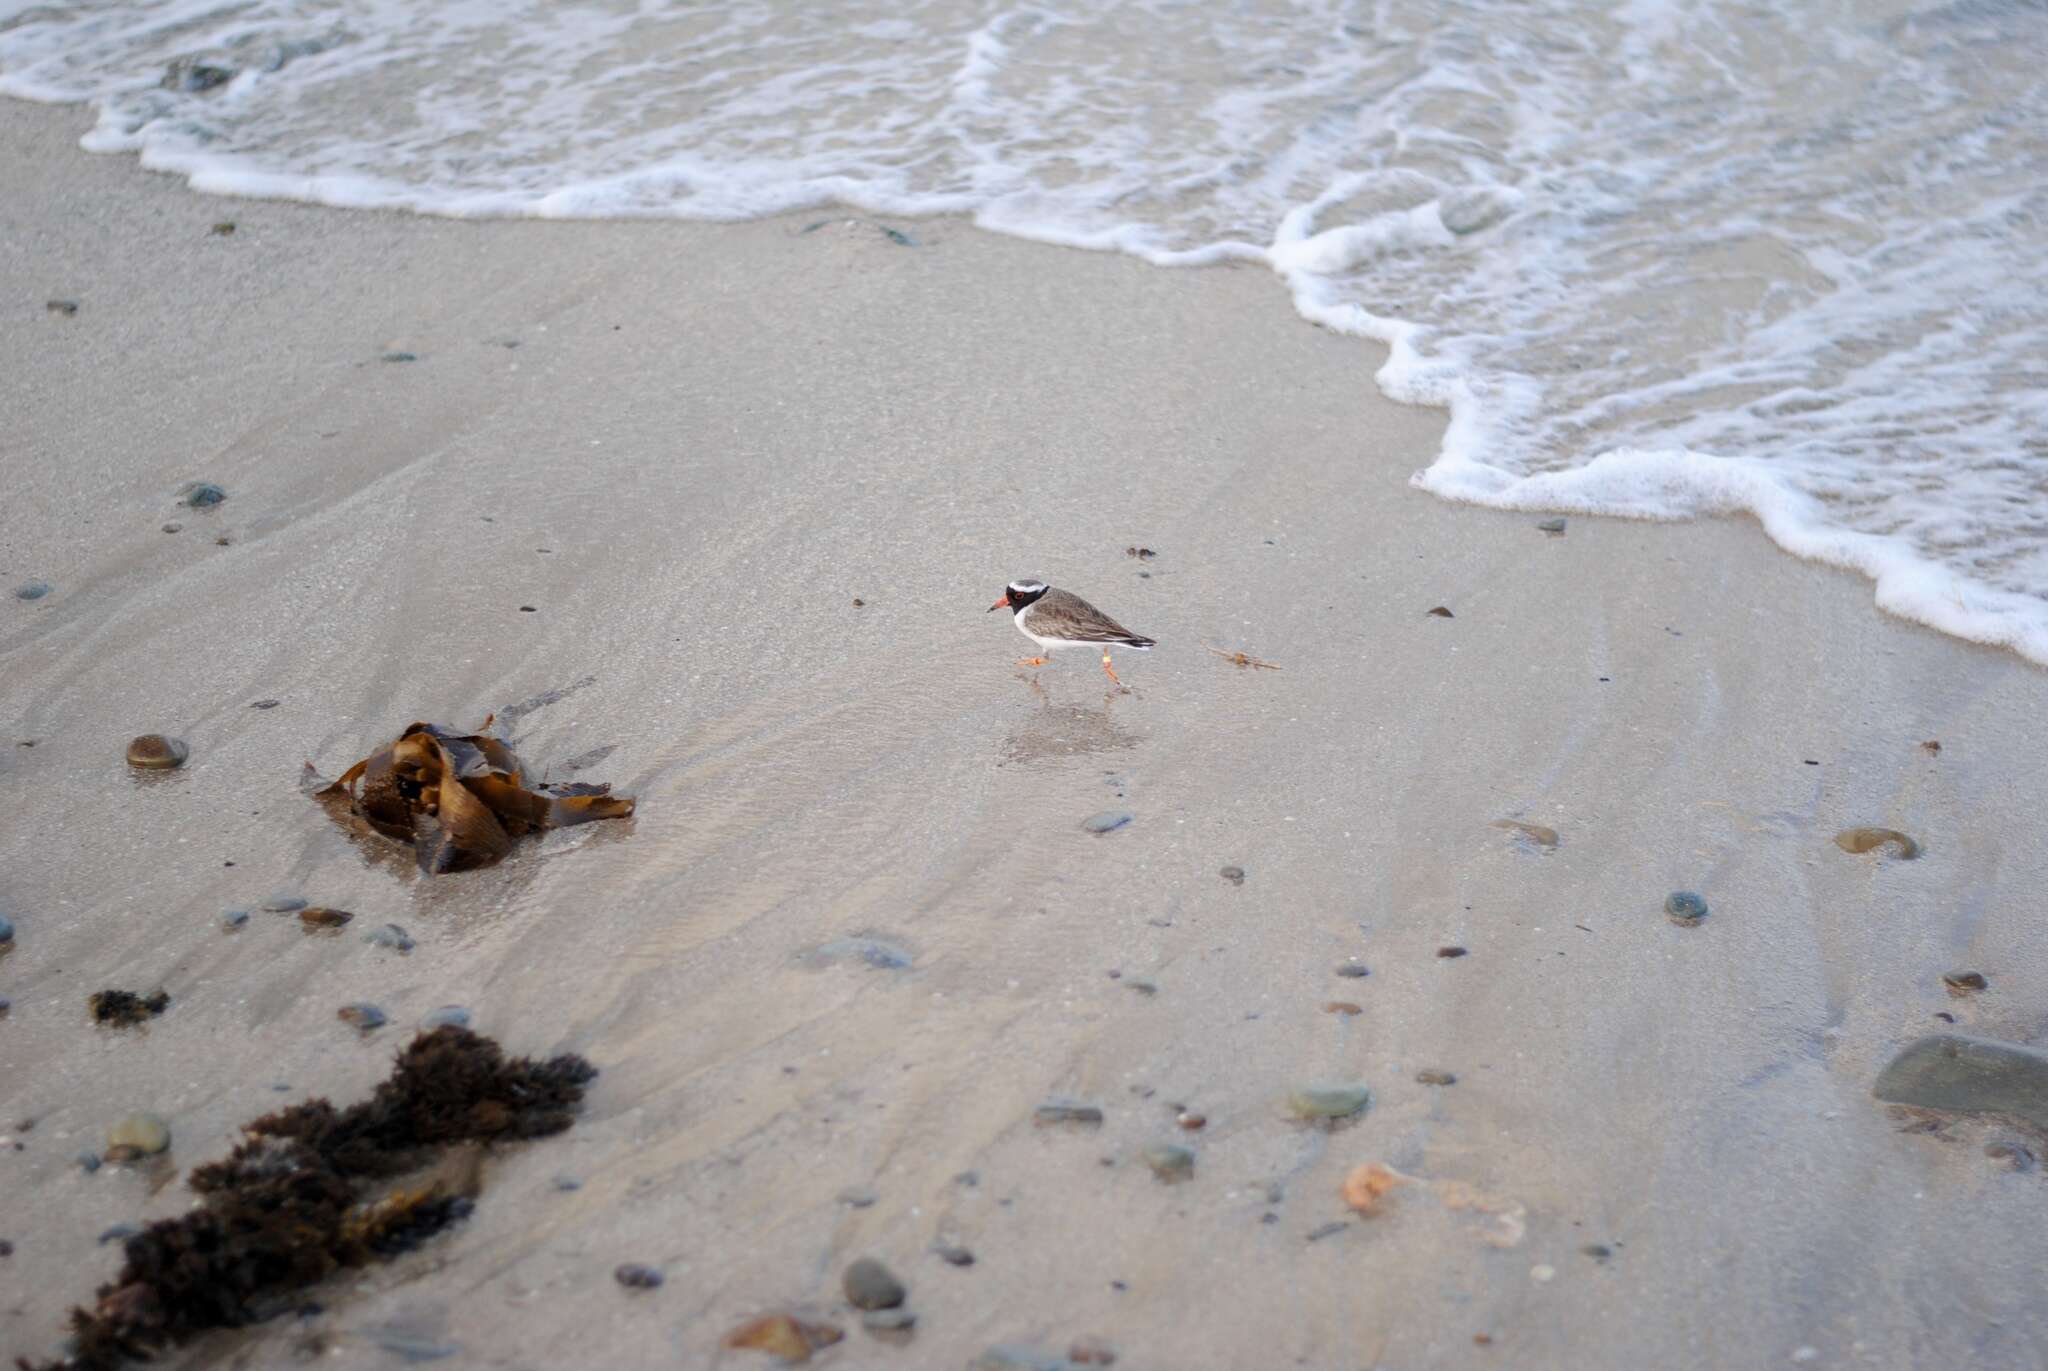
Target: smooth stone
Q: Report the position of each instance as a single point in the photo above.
(634, 1276)
(283, 904)
(409, 1346)
(1965, 1075)
(1961, 983)
(155, 752)
(857, 1197)
(66, 307)
(1435, 1077)
(1328, 1101)
(872, 952)
(31, 590)
(366, 1017)
(264, 704)
(1169, 1162)
(871, 1285)
(232, 919)
(1232, 874)
(1685, 908)
(1108, 821)
(399, 357)
(887, 1320)
(118, 1232)
(1551, 525)
(1066, 1111)
(447, 1016)
(954, 1256)
(88, 1162)
(567, 1183)
(138, 1135)
(1354, 971)
(5, 1005)
(391, 936)
(1003, 1358)
(320, 916)
(203, 495)
(174, 527)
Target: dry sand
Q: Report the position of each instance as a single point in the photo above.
(708, 441)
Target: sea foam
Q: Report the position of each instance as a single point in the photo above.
(1661, 259)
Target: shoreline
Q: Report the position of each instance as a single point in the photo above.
(723, 435)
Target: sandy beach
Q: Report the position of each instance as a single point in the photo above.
(757, 484)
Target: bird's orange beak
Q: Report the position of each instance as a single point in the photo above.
(1003, 603)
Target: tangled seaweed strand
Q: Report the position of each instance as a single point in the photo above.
(288, 1207)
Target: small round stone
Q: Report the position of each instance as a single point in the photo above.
(1170, 1162)
(447, 1016)
(634, 1276)
(88, 1162)
(1108, 821)
(232, 919)
(155, 752)
(31, 590)
(953, 1256)
(857, 1197)
(391, 936)
(366, 1017)
(1233, 874)
(887, 1320)
(203, 495)
(138, 1135)
(1685, 908)
(282, 903)
(1328, 1101)
(1354, 971)
(1961, 983)
(871, 1285)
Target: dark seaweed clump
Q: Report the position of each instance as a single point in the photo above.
(291, 1204)
(125, 1008)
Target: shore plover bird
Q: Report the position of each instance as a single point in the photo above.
(1059, 618)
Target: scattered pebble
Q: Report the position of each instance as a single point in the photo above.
(1544, 838)
(1553, 527)
(857, 1197)
(1328, 1230)
(1451, 953)
(1233, 874)
(223, 228)
(1170, 1162)
(1684, 908)
(1475, 208)
(448, 1015)
(1191, 1121)
(1143, 987)
(6, 929)
(174, 527)
(283, 904)
(155, 752)
(88, 1162)
(888, 1320)
(1317, 1102)
(201, 495)
(366, 1017)
(264, 704)
(399, 357)
(859, 603)
(391, 936)
(634, 1276)
(138, 1135)
(1059, 1111)
(1961, 984)
(32, 590)
(1442, 613)
(1867, 839)
(871, 1285)
(319, 916)
(65, 307)
(1091, 1351)
(1108, 821)
(124, 1008)
(954, 1256)
(1598, 1251)
(783, 1335)
(1143, 554)
(1354, 971)
(1958, 1074)
(232, 919)
(1344, 1007)
(5, 1006)
(1431, 1076)
(567, 1183)
(1932, 747)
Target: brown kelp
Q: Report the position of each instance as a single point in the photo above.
(295, 1201)
(460, 798)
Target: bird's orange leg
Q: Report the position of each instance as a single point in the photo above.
(1033, 661)
(1110, 670)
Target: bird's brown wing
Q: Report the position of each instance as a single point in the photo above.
(1063, 614)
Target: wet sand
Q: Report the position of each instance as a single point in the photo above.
(707, 444)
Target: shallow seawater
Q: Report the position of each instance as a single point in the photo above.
(1660, 259)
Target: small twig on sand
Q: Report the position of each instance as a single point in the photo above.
(1241, 658)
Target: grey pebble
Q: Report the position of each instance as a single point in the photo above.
(634, 1276)
(566, 1183)
(202, 495)
(264, 704)
(174, 527)
(1434, 1077)
(1965, 1075)
(88, 1162)
(448, 1015)
(1354, 971)
(32, 590)
(857, 1197)
(1170, 1162)
(399, 357)
(391, 936)
(283, 904)
(366, 1017)
(1328, 1101)
(118, 1232)
(871, 952)
(953, 1256)
(1474, 208)
(1551, 525)
(232, 919)
(1108, 821)
(871, 1285)
(1144, 987)
(1233, 874)
(1684, 908)
(1328, 1230)
(410, 1346)
(1066, 1111)
(66, 307)
(6, 929)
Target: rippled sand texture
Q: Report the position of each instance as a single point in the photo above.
(723, 436)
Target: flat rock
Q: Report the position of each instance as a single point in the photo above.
(871, 1285)
(1315, 1102)
(1108, 821)
(1964, 1075)
(1057, 1111)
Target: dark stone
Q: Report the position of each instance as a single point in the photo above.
(1233, 874)
(1958, 1074)
(1354, 971)
(391, 936)
(232, 919)
(871, 1285)
(263, 704)
(1066, 1111)
(31, 590)
(857, 1197)
(399, 357)
(202, 495)
(64, 307)
(1962, 983)
(1684, 908)
(954, 1256)
(634, 1276)
(118, 1233)
(1435, 1077)
(366, 1017)
(1452, 953)
(1551, 526)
